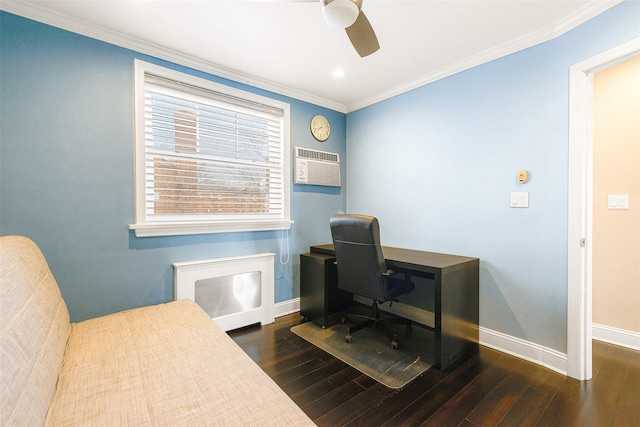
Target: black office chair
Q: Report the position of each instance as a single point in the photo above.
(362, 270)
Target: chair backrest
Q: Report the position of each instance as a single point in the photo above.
(361, 264)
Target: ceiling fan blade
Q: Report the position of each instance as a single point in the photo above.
(362, 36)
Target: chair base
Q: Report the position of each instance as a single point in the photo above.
(375, 321)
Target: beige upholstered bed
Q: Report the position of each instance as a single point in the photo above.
(162, 365)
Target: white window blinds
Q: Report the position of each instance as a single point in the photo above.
(210, 156)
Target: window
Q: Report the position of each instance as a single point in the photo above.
(209, 158)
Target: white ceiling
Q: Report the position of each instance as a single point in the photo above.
(286, 46)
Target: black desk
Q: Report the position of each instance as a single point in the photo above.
(456, 280)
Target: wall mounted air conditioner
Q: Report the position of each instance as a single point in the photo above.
(315, 167)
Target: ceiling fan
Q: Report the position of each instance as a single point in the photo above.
(348, 14)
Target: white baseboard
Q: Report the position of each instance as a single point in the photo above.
(611, 335)
(287, 307)
(523, 349)
(517, 347)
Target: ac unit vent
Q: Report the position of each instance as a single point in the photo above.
(315, 167)
(317, 155)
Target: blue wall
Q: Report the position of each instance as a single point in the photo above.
(67, 170)
(436, 165)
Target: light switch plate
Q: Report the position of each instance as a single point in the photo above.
(519, 199)
(618, 201)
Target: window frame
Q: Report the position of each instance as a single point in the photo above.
(142, 226)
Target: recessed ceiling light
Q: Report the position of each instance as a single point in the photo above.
(338, 73)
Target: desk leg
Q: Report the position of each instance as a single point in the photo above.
(437, 327)
(457, 332)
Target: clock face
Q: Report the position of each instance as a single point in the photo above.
(320, 128)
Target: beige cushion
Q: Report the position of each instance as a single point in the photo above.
(33, 333)
(164, 365)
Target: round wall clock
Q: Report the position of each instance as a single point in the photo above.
(320, 128)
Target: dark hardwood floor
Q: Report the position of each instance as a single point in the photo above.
(490, 389)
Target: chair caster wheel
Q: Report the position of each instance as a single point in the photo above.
(394, 344)
(343, 320)
(347, 338)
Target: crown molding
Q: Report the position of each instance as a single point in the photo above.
(46, 16)
(41, 14)
(590, 11)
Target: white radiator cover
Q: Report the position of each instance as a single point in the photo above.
(227, 288)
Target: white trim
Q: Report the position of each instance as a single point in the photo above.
(616, 336)
(580, 190)
(287, 307)
(42, 14)
(154, 229)
(578, 294)
(142, 226)
(516, 347)
(590, 11)
(527, 350)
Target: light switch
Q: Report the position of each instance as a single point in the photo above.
(618, 201)
(519, 199)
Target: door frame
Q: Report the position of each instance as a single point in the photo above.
(580, 204)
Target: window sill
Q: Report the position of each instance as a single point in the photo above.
(155, 229)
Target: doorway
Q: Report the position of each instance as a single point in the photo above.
(616, 214)
(580, 205)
